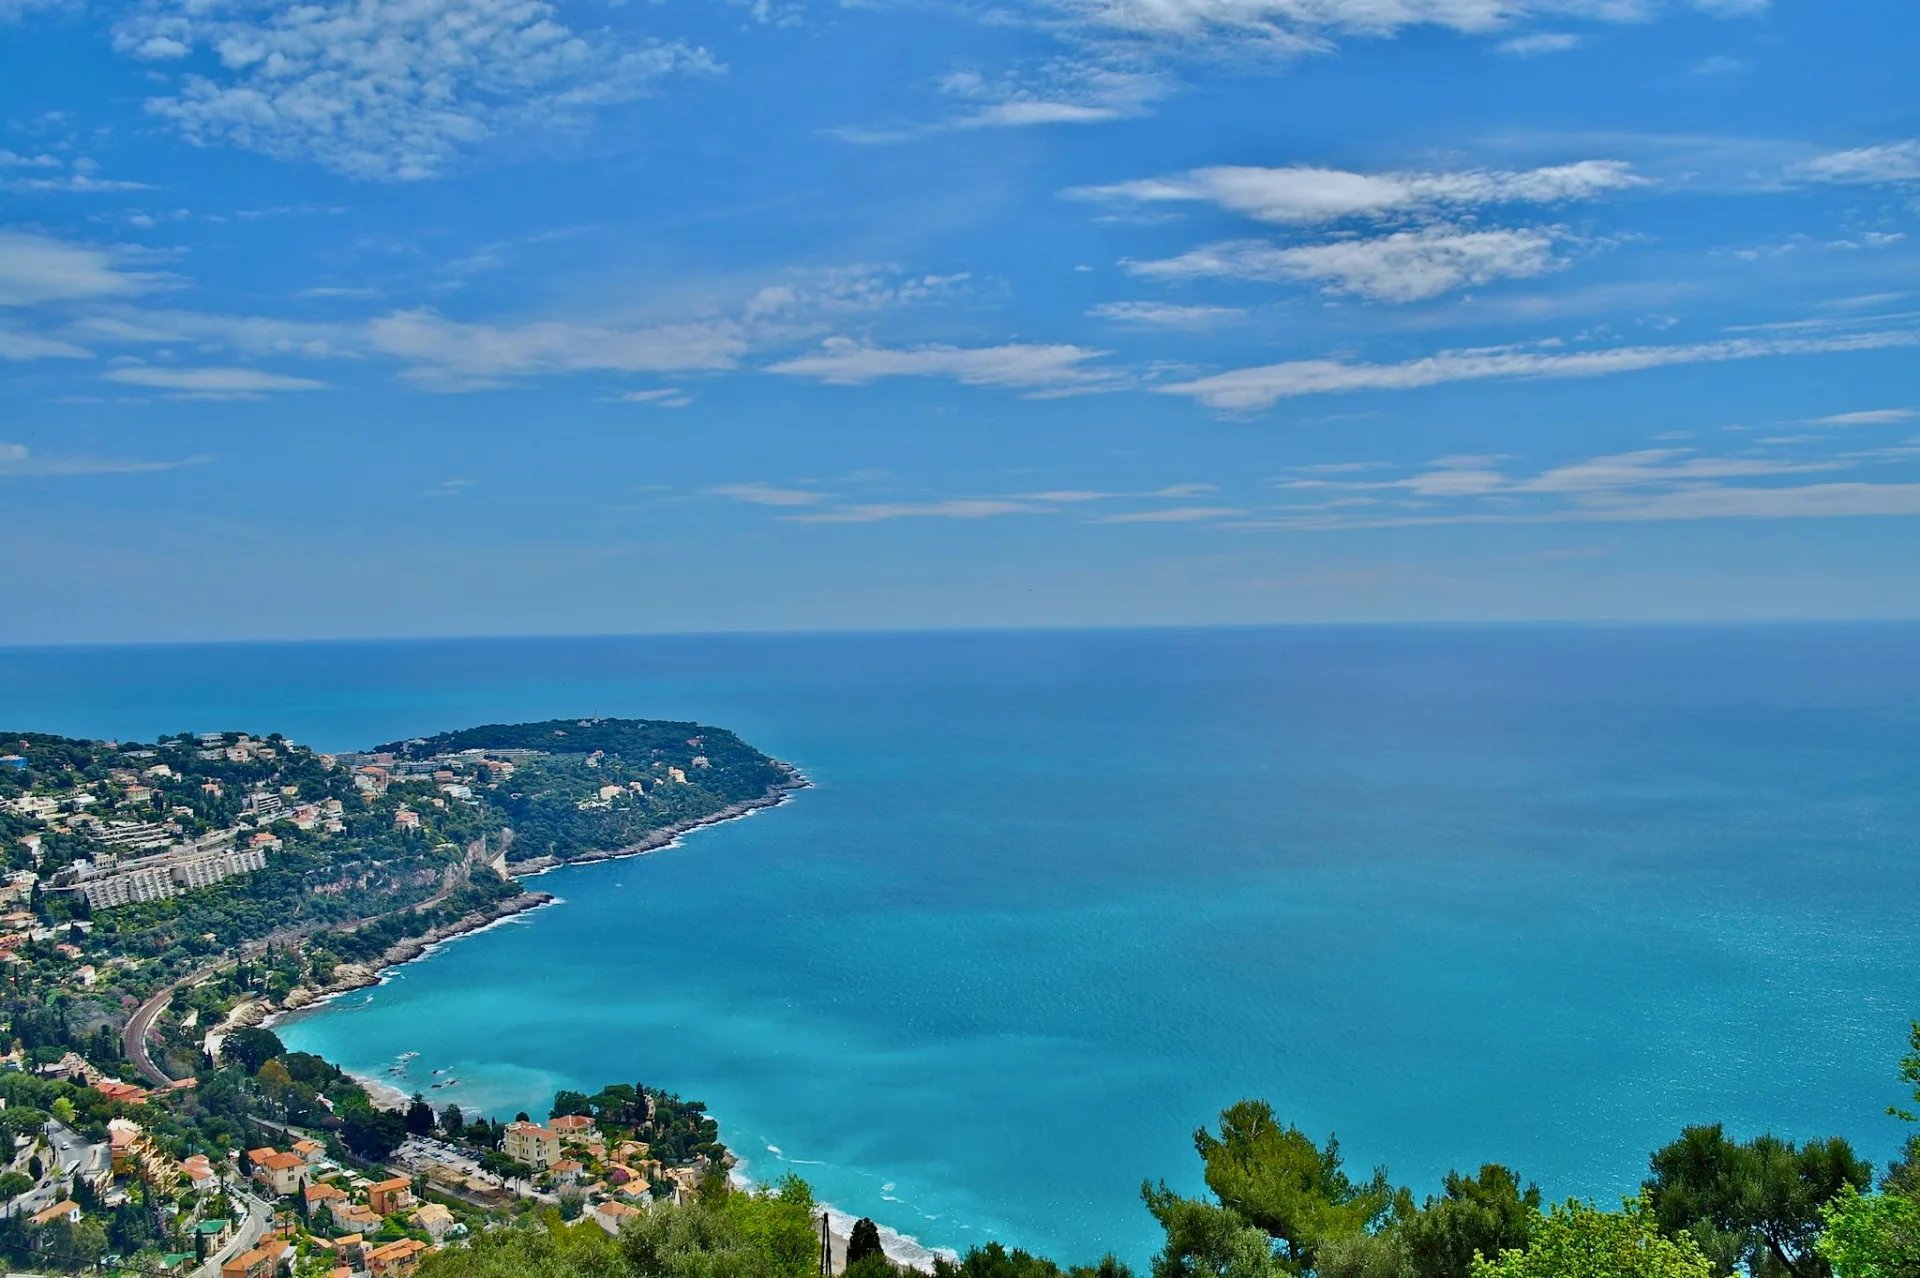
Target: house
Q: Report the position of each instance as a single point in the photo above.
(355, 1216)
(310, 1151)
(322, 1195)
(199, 1172)
(406, 819)
(261, 1262)
(435, 1219)
(351, 1249)
(390, 1196)
(211, 1234)
(115, 1090)
(395, 1260)
(531, 1144)
(282, 1173)
(66, 1209)
(610, 1216)
(573, 1127)
(567, 1171)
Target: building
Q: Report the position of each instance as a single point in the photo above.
(611, 1215)
(395, 1260)
(165, 874)
(573, 1127)
(355, 1216)
(435, 1219)
(199, 1172)
(66, 1209)
(322, 1196)
(390, 1196)
(310, 1151)
(282, 1173)
(261, 1262)
(531, 1144)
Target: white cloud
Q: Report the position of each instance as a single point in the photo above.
(1305, 195)
(1406, 266)
(1868, 417)
(21, 345)
(845, 362)
(1173, 515)
(38, 268)
(451, 355)
(769, 495)
(954, 508)
(1532, 46)
(19, 461)
(393, 90)
(1255, 388)
(659, 397)
(210, 382)
(1295, 25)
(1891, 162)
(1164, 314)
(1656, 484)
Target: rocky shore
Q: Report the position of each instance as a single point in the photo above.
(666, 834)
(353, 976)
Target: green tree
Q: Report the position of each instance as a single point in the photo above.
(1576, 1240)
(1875, 1236)
(565, 1103)
(1277, 1178)
(251, 1048)
(1208, 1241)
(1481, 1215)
(419, 1120)
(1753, 1204)
(863, 1241)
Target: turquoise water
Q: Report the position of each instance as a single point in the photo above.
(1539, 895)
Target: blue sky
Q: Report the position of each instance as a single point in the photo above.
(410, 317)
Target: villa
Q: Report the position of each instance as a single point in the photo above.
(531, 1144)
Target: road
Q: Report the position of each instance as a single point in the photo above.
(139, 1028)
(259, 1215)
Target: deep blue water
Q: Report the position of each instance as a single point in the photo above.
(1536, 895)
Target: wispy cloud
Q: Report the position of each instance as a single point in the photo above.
(1302, 195)
(38, 268)
(1173, 515)
(1868, 417)
(1405, 266)
(19, 461)
(1649, 485)
(769, 495)
(1164, 314)
(1869, 165)
(1021, 366)
(1255, 388)
(952, 508)
(211, 383)
(1539, 43)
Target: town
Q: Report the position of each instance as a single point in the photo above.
(166, 900)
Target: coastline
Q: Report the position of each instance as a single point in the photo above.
(901, 1248)
(668, 835)
(355, 976)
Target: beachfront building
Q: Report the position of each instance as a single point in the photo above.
(531, 1144)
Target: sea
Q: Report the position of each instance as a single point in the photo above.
(1538, 895)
